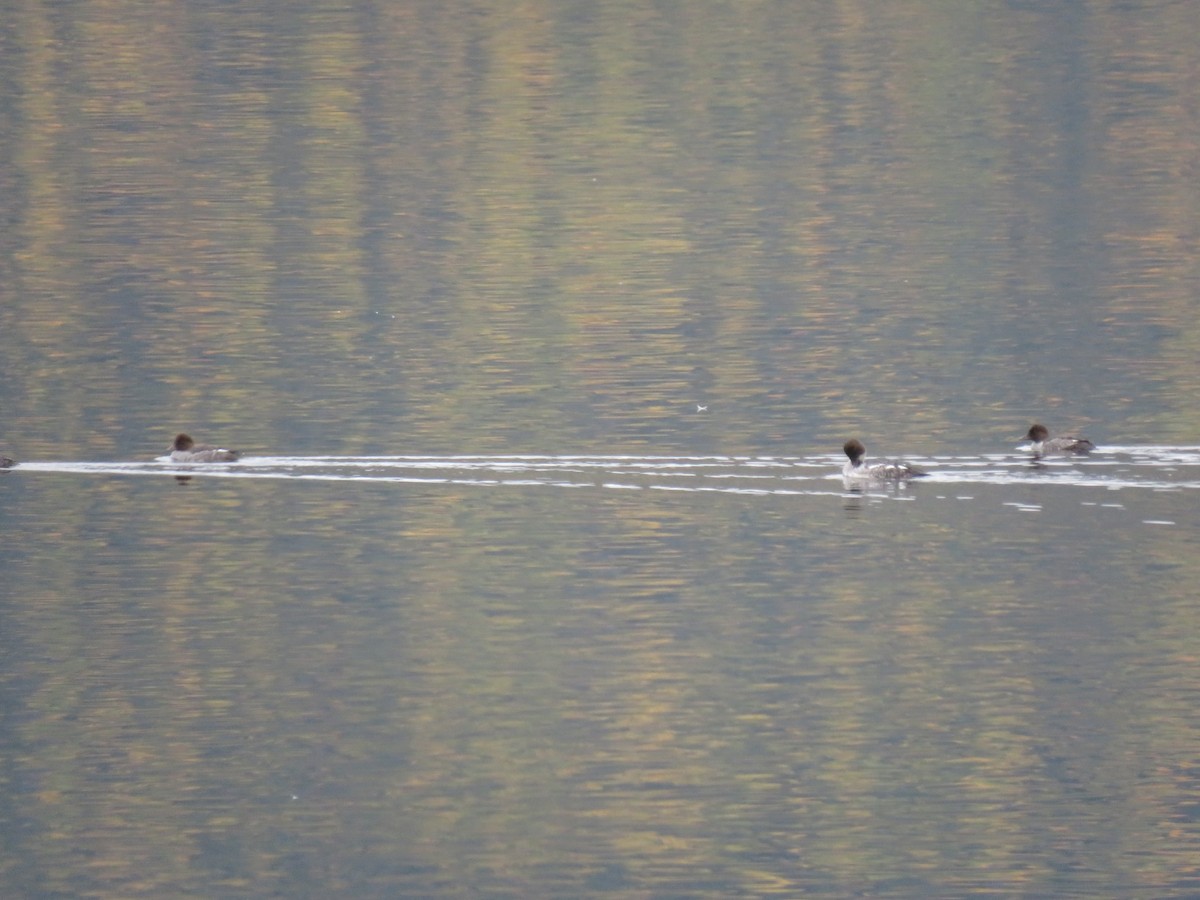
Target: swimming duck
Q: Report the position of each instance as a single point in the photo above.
(185, 450)
(857, 469)
(1042, 444)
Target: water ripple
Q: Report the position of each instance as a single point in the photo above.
(1153, 468)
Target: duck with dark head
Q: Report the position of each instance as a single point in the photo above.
(185, 450)
(1041, 444)
(857, 469)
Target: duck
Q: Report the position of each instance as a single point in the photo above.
(855, 468)
(7, 462)
(185, 450)
(1042, 444)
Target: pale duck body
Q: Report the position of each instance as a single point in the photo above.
(1041, 444)
(185, 450)
(856, 468)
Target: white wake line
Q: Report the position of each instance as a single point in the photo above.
(238, 471)
(1120, 456)
(366, 470)
(1068, 479)
(591, 471)
(506, 463)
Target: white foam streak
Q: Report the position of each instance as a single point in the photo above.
(1119, 468)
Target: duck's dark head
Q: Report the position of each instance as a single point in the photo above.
(854, 449)
(183, 442)
(1037, 433)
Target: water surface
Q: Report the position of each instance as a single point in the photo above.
(540, 327)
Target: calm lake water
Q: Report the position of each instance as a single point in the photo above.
(541, 327)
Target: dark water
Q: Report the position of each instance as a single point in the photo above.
(541, 327)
